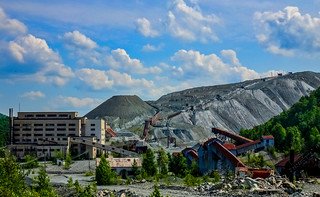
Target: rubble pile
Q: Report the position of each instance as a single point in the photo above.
(241, 186)
(121, 193)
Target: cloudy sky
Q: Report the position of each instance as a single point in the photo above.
(73, 55)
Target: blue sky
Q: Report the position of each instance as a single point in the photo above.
(73, 55)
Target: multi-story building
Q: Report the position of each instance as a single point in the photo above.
(43, 133)
(96, 128)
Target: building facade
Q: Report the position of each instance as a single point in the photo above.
(44, 133)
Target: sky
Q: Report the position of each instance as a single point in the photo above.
(73, 55)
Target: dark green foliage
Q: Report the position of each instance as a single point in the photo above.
(135, 169)
(156, 192)
(149, 165)
(194, 169)
(4, 130)
(178, 165)
(296, 128)
(12, 178)
(88, 191)
(68, 161)
(190, 180)
(104, 174)
(30, 162)
(163, 161)
(42, 184)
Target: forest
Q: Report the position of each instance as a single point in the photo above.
(4, 129)
(297, 128)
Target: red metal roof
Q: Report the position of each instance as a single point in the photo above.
(234, 160)
(231, 135)
(284, 161)
(267, 137)
(248, 144)
(229, 146)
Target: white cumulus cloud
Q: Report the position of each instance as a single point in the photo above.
(126, 80)
(211, 68)
(143, 25)
(33, 95)
(119, 59)
(151, 48)
(79, 40)
(97, 79)
(10, 26)
(34, 52)
(79, 102)
(189, 23)
(288, 31)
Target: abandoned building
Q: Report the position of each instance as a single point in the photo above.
(216, 154)
(44, 133)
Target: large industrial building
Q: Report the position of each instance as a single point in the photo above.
(44, 133)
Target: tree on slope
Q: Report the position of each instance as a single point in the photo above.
(149, 164)
(104, 174)
(163, 161)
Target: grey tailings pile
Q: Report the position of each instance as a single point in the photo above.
(230, 107)
(122, 111)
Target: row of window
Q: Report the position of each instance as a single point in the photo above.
(46, 115)
(46, 129)
(48, 125)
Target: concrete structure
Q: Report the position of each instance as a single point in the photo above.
(215, 154)
(43, 133)
(96, 128)
(123, 166)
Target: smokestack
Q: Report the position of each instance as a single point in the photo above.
(11, 124)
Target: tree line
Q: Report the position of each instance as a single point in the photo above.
(296, 128)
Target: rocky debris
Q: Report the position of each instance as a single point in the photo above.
(120, 193)
(241, 186)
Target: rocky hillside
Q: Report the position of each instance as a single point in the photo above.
(123, 111)
(239, 105)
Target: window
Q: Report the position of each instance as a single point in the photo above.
(72, 129)
(93, 125)
(50, 125)
(37, 134)
(49, 129)
(49, 134)
(29, 115)
(93, 129)
(61, 125)
(38, 129)
(38, 125)
(51, 115)
(92, 134)
(40, 115)
(63, 115)
(61, 134)
(72, 125)
(61, 129)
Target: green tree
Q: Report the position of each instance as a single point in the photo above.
(148, 163)
(178, 165)
(104, 174)
(67, 161)
(30, 162)
(156, 192)
(135, 168)
(314, 138)
(12, 177)
(194, 169)
(279, 134)
(4, 130)
(42, 184)
(163, 161)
